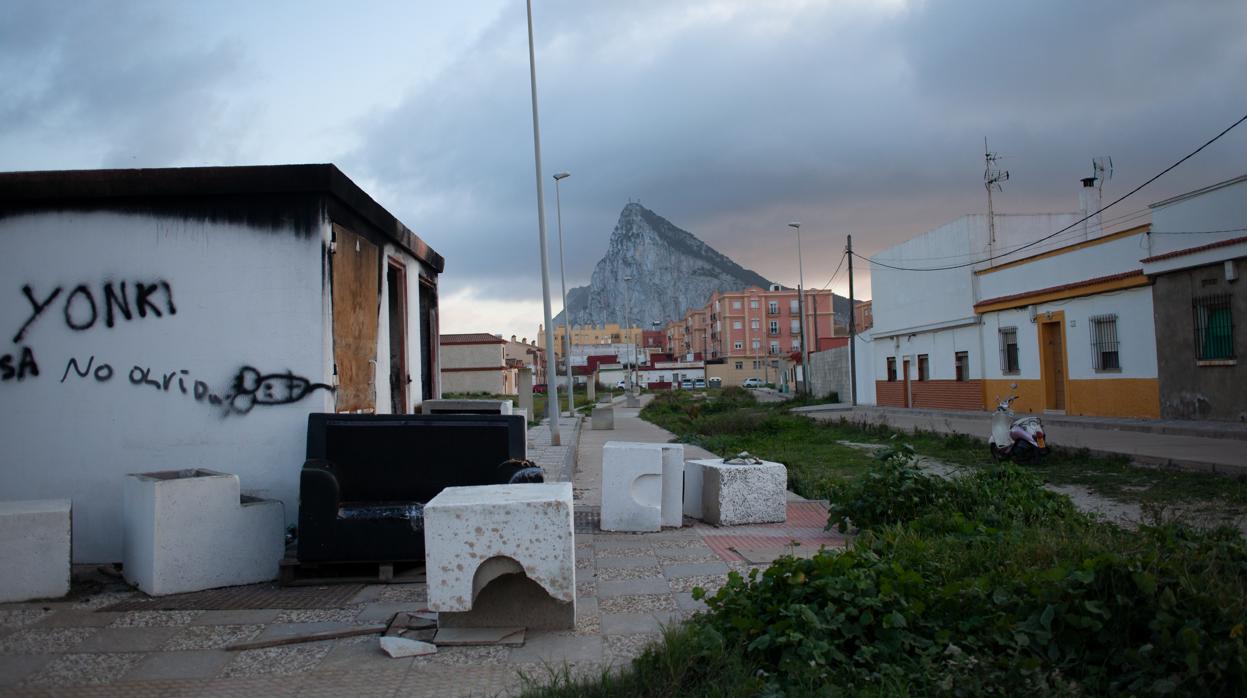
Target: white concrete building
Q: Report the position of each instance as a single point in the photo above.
(174, 319)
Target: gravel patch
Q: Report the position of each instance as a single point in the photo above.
(637, 604)
(21, 617)
(586, 587)
(624, 552)
(320, 615)
(84, 669)
(622, 649)
(44, 640)
(154, 619)
(404, 593)
(710, 582)
(466, 656)
(210, 637)
(293, 659)
(612, 574)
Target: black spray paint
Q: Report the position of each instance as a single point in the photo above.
(18, 366)
(82, 306)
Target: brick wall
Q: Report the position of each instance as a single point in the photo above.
(890, 393)
(947, 394)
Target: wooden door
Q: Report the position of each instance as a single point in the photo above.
(396, 283)
(905, 375)
(1053, 365)
(356, 308)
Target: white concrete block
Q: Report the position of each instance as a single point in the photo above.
(35, 547)
(474, 535)
(631, 486)
(673, 485)
(187, 530)
(693, 475)
(399, 647)
(603, 417)
(744, 494)
(451, 406)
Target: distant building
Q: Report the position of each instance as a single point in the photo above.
(863, 316)
(476, 363)
(609, 333)
(525, 354)
(757, 323)
(1196, 254)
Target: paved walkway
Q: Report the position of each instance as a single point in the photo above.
(1192, 445)
(628, 587)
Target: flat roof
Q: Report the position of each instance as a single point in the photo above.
(44, 189)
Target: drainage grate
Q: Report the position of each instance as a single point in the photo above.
(588, 519)
(253, 596)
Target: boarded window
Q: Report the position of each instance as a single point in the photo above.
(356, 309)
(962, 361)
(1214, 328)
(923, 367)
(1104, 345)
(1009, 350)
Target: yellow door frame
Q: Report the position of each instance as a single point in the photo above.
(1057, 317)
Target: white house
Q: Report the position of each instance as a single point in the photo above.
(171, 319)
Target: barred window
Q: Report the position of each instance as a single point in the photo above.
(1009, 350)
(1214, 328)
(1104, 344)
(962, 361)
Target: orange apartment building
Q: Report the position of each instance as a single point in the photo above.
(757, 322)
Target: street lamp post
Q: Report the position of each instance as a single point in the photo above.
(552, 390)
(805, 354)
(627, 314)
(567, 312)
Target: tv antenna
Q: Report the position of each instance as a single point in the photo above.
(1102, 170)
(992, 178)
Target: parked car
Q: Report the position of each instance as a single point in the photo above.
(686, 384)
(716, 382)
(699, 383)
(752, 383)
(621, 385)
(539, 387)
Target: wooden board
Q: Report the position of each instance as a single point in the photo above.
(356, 309)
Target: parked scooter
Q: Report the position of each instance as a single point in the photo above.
(1020, 439)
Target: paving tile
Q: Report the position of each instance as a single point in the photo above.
(585, 588)
(382, 611)
(634, 623)
(319, 615)
(258, 616)
(152, 619)
(74, 669)
(692, 540)
(291, 659)
(408, 593)
(694, 569)
(642, 603)
(127, 640)
(632, 551)
(619, 541)
(191, 664)
(630, 561)
(44, 640)
(270, 686)
(627, 587)
(77, 618)
(616, 574)
(15, 667)
(373, 684)
(210, 637)
(278, 630)
(557, 648)
(686, 602)
(465, 656)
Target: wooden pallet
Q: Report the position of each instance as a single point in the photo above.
(292, 572)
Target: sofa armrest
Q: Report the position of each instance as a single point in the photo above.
(319, 490)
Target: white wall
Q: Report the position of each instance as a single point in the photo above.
(940, 346)
(1223, 208)
(1093, 262)
(243, 298)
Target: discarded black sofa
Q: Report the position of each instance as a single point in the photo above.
(367, 477)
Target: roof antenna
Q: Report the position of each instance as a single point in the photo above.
(992, 177)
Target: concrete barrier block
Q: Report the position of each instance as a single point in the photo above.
(744, 494)
(514, 536)
(631, 486)
(466, 407)
(188, 530)
(693, 475)
(35, 549)
(672, 485)
(603, 418)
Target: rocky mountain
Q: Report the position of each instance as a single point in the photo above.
(672, 271)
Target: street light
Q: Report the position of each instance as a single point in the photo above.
(805, 354)
(627, 314)
(567, 312)
(552, 390)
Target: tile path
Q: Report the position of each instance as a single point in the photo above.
(628, 585)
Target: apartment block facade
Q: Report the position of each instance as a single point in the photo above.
(757, 322)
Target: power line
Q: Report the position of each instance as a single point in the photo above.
(1198, 232)
(1116, 201)
(835, 273)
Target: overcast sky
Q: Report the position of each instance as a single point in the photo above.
(729, 118)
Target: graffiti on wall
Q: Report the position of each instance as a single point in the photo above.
(113, 303)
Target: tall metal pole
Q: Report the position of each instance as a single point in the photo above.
(852, 329)
(552, 390)
(628, 312)
(805, 354)
(567, 312)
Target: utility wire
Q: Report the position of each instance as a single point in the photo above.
(1198, 232)
(836, 272)
(1116, 201)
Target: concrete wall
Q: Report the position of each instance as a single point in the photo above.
(1105, 259)
(1189, 390)
(730, 375)
(493, 382)
(215, 363)
(1222, 208)
(829, 373)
